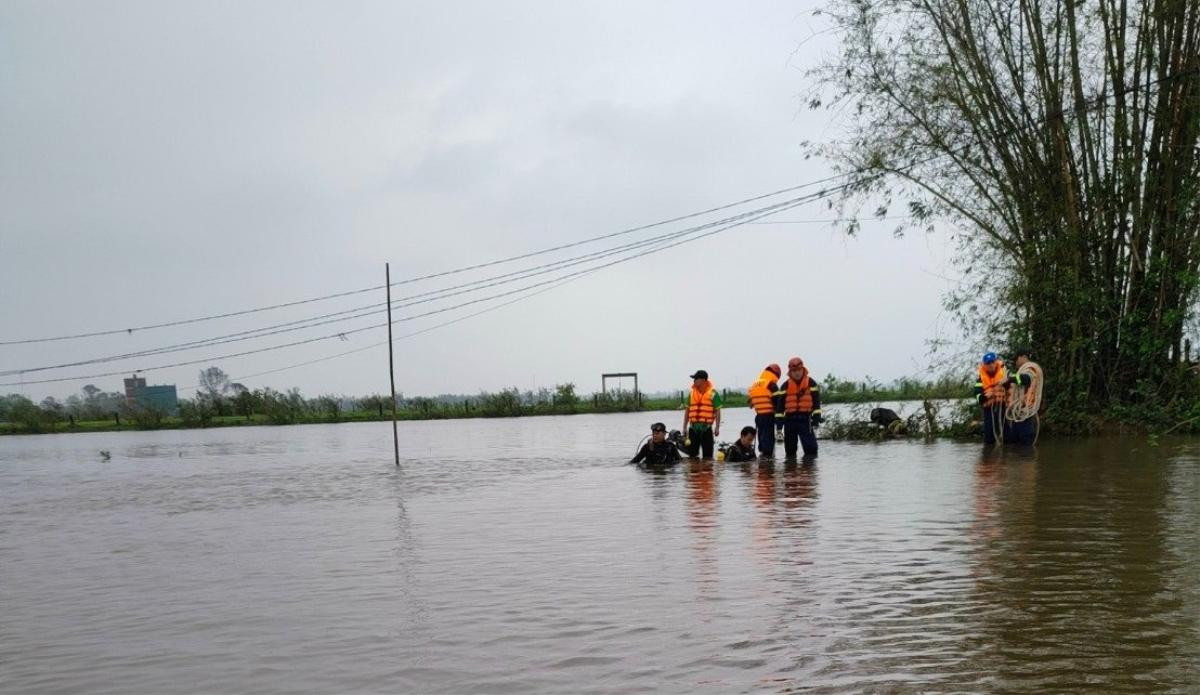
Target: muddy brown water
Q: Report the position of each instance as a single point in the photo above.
(520, 556)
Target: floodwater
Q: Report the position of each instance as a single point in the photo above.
(522, 556)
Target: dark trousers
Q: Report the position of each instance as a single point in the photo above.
(799, 426)
(1024, 432)
(765, 424)
(992, 418)
(701, 441)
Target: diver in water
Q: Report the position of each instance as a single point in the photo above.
(743, 449)
(659, 451)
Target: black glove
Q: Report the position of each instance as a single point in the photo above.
(817, 420)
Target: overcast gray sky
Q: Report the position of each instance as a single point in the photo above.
(161, 161)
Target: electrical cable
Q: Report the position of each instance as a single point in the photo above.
(342, 334)
(399, 337)
(463, 269)
(422, 298)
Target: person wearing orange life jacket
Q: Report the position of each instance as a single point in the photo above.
(762, 400)
(702, 417)
(991, 390)
(802, 410)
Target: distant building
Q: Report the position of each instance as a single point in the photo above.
(132, 384)
(161, 397)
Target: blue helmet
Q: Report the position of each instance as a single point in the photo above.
(989, 357)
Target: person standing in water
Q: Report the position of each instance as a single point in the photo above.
(702, 418)
(991, 391)
(802, 410)
(762, 400)
(1026, 393)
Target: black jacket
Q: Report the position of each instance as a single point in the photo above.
(659, 454)
(736, 454)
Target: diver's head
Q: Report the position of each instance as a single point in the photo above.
(658, 432)
(747, 437)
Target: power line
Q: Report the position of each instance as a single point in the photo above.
(662, 247)
(400, 337)
(820, 195)
(837, 219)
(1184, 73)
(402, 302)
(463, 269)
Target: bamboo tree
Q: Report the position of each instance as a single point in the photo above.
(1060, 141)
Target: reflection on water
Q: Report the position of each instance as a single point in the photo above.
(523, 556)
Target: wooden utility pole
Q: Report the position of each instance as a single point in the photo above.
(387, 273)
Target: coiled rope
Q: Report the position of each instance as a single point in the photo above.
(1025, 402)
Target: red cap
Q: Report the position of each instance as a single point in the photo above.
(795, 363)
(774, 368)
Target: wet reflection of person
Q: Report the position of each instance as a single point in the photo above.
(702, 518)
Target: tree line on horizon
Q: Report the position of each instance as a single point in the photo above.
(218, 399)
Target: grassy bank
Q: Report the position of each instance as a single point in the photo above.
(422, 410)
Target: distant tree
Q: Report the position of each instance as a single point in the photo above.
(146, 417)
(244, 402)
(565, 398)
(9, 403)
(506, 403)
(329, 406)
(214, 383)
(374, 403)
(197, 412)
(26, 414)
(275, 406)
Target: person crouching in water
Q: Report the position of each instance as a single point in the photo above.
(702, 419)
(743, 449)
(802, 410)
(762, 400)
(658, 451)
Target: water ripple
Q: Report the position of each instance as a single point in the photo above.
(522, 556)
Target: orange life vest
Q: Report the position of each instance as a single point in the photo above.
(700, 407)
(799, 395)
(995, 391)
(760, 394)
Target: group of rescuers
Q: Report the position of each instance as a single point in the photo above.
(794, 410)
(997, 389)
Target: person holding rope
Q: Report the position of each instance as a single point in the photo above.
(1024, 400)
(991, 391)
